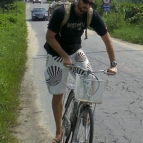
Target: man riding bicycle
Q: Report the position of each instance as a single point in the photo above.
(65, 49)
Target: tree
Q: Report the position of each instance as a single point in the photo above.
(6, 5)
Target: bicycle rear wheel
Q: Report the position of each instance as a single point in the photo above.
(84, 128)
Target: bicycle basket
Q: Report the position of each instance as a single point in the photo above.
(89, 89)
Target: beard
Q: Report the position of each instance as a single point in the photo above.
(82, 10)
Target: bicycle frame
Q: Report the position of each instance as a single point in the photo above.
(73, 122)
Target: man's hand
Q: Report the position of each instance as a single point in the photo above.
(112, 70)
(67, 61)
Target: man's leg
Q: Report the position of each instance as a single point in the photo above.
(56, 77)
(57, 105)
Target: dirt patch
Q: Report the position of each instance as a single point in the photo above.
(29, 130)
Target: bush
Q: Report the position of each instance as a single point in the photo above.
(98, 6)
(133, 13)
(114, 21)
(12, 19)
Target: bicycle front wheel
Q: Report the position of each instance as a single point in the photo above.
(84, 128)
(67, 118)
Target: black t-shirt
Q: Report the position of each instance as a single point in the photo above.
(71, 32)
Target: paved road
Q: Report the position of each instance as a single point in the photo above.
(119, 119)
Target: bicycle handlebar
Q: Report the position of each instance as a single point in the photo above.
(89, 71)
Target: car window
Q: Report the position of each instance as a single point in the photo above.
(39, 10)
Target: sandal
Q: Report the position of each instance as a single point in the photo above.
(55, 140)
(60, 141)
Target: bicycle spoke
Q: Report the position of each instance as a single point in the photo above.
(83, 132)
(84, 127)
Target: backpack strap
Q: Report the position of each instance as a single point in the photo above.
(67, 7)
(89, 18)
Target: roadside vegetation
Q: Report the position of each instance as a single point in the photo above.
(124, 21)
(13, 45)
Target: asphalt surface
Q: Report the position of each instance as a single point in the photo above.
(119, 119)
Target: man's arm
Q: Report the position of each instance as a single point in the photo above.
(50, 37)
(110, 50)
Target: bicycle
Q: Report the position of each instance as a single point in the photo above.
(80, 106)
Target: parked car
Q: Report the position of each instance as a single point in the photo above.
(36, 1)
(39, 13)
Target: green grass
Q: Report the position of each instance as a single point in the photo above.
(13, 46)
(130, 33)
(49, 1)
(120, 29)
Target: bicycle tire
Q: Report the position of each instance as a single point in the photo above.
(84, 123)
(68, 109)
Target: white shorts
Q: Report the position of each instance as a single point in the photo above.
(56, 74)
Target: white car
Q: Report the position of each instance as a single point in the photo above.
(36, 1)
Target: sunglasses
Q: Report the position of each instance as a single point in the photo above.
(87, 2)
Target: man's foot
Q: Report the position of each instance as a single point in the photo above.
(56, 141)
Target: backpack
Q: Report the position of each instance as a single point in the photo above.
(67, 7)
